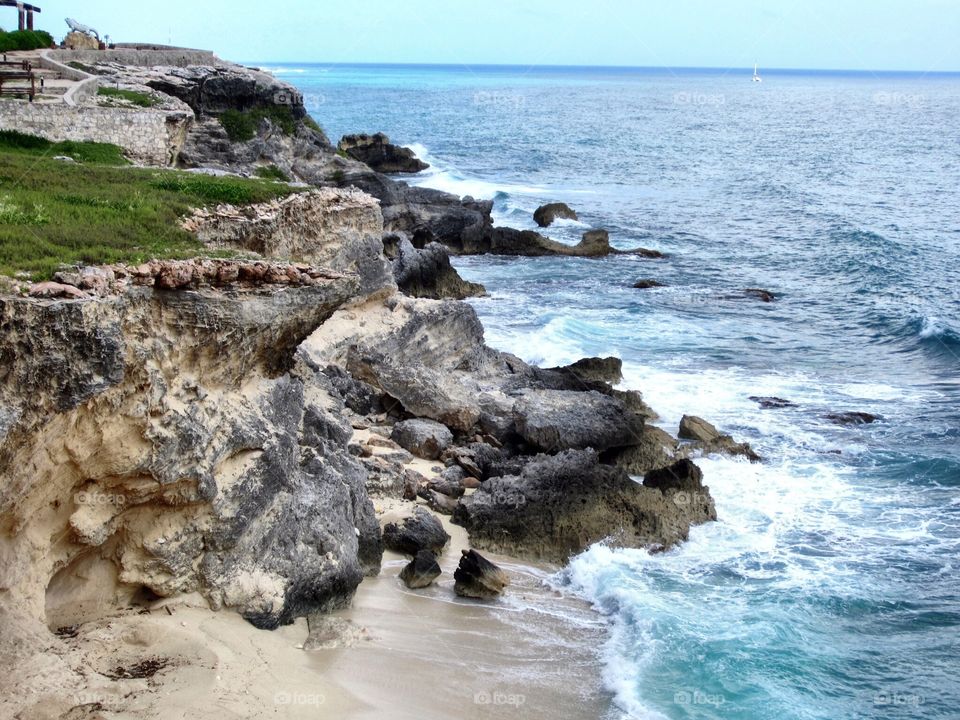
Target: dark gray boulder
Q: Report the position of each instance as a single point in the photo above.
(421, 571)
(477, 577)
(427, 272)
(561, 504)
(378, 153)
(603, 370)
(420, 531)
(546, 214)
(553, 420)
(424, 438)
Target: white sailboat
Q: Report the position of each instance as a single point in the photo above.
(756, 73)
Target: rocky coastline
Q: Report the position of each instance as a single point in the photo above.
(247, 435)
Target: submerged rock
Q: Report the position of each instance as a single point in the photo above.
(546, 214)
(647, 284)
(772, 403)
(422, 530)
(853, 418)
(421, 571)
(477, 577)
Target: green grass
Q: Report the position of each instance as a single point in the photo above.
(137, 98)
(241, 126)
(84, 152)
(272, 172)
(54, 213)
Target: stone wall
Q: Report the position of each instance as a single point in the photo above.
(142, 56)
(150, 137)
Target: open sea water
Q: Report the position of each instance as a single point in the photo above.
(830, 586)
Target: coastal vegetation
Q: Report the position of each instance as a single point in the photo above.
(24, 40)
(139, 99)
(89, 206)
(241, 126)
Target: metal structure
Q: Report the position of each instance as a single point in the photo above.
(81, 28)
(25, 11)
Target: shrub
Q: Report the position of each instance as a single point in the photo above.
(84, 152)
(242, 126)
(239, 126)
(272, 172)
(24, 40)
(132, 96)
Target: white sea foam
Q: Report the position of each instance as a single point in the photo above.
(444, 176)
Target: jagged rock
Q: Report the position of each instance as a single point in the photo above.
(853, 418)
(561, 504)
(446, 486)
(424, 438)
(412, 483)
(427, 355)
(477, 577)
(695, 428)
(377, 152)
(656, 449)
(633, 401)
(421, 571)
(420, 531)
(428, 272)
(357, 395)
(336, 229)
(546, 214)
(598, 370)
(50, 290)
(646, 284)
(247, 494)
(554, 420)
(682, 475)
(708, 439)
(437, 502)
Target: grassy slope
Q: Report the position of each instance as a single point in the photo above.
(95, 211)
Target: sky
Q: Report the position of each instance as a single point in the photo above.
(917, 35)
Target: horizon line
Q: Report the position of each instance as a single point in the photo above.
(715, 68)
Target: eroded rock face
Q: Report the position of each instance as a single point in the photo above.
(338, 229)
(561, 504)
(174, 446)
(554, 420)
(378, 153)
(427, 272)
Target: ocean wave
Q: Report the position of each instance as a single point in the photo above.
(283, 70)
(442, 175)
